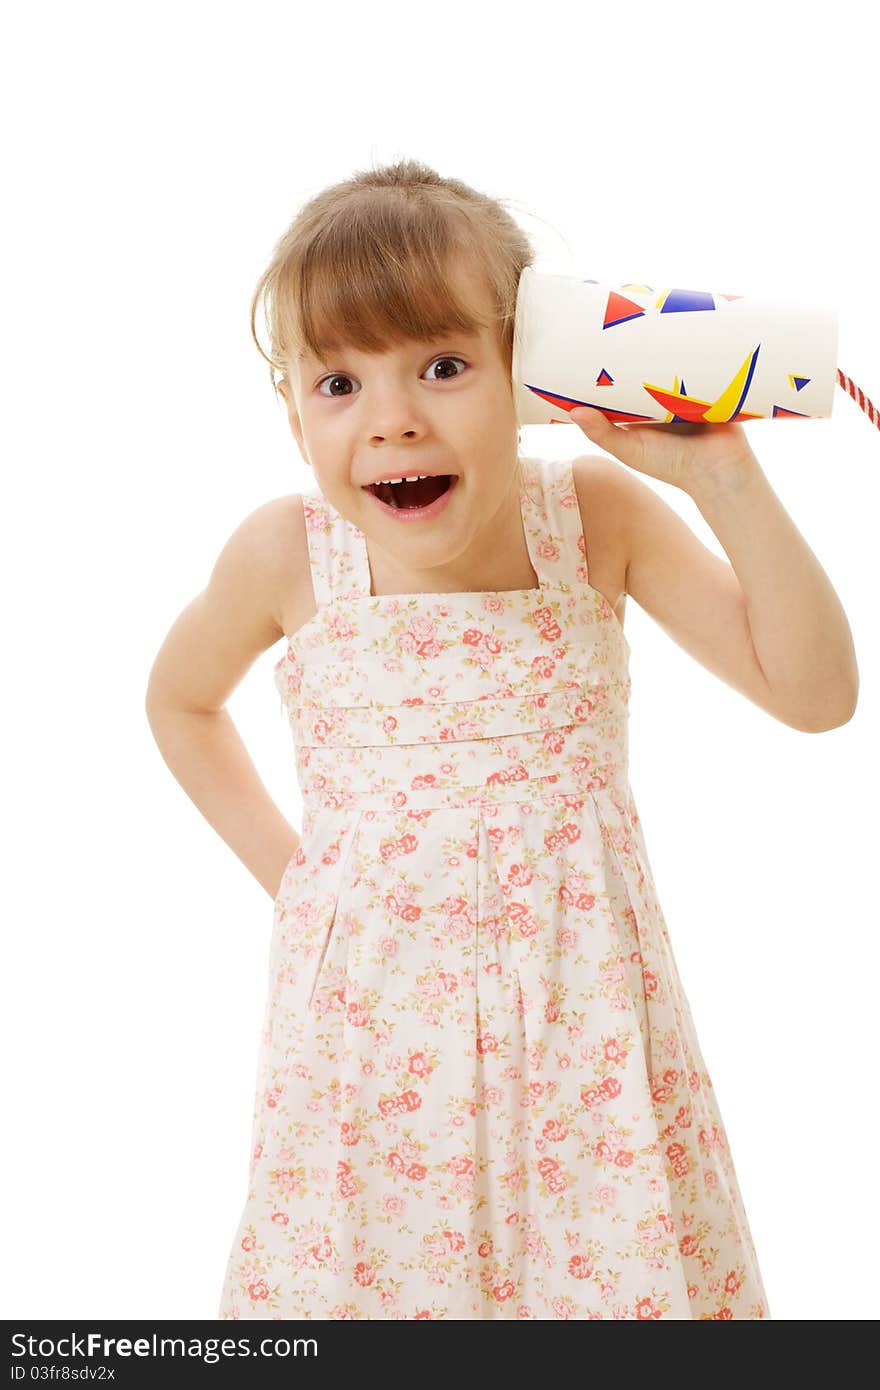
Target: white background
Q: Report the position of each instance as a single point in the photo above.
(154, 154)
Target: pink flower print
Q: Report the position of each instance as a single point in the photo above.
(605, 1194)
(662, 1092)
(460, 1163)
(548, 627)
(401, 1104)
(387, 944)
(323, 1251)
(501, 1292)
(543, 666)
(613, 973)
(522, 919)
(551, 1171)
(548, 550)
(349, 1133)
(555, 1130)
(290, 1180)
(420, 638)
(614, 1052)
(273, 1096)
(519, 875)
(678, 1158)
(486, 1042)
(346, 1184)
(356, 1015)
(259, 1290)
(331, 856)
(365, 1273)
(339, 627)
(580, 1267)
(417, 1172)
(711, 1139)
(419, 1064)
(248, 1243)
(280, 1218)
(424, 782)
(455, 1241)
(393, 1205)
(459, 920)
(652, 1233)
(646, 1308)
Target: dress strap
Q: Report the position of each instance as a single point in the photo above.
(552, 523)
(337, 551)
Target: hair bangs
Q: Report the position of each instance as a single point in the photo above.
(374, 289)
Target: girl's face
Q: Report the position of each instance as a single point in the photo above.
(440, 407)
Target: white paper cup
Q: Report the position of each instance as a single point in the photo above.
(664, 356)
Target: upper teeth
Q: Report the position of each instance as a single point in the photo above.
(410, 478)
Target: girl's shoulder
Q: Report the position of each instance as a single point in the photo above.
(286, 522)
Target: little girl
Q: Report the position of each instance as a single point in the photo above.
(479, 1093)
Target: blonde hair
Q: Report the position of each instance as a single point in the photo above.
(367, 262)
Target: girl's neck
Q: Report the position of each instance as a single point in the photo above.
(502, 562)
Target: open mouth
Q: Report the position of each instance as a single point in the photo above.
(414, 494)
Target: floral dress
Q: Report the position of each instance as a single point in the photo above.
(479, 1091)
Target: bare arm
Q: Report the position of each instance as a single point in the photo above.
(205, 655)
(768, 623)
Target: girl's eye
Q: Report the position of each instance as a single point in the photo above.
(341, 376)
(448, 359)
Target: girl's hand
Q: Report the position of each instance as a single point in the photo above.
(685, 455)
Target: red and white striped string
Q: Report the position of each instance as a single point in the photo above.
(859, 397)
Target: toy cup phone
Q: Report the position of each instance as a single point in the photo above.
(646, 355)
